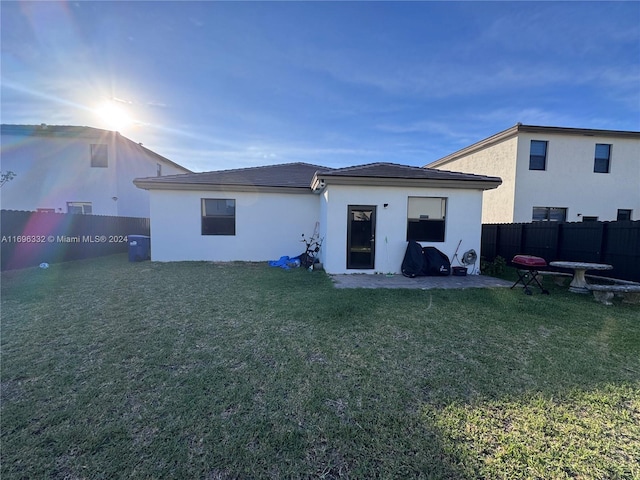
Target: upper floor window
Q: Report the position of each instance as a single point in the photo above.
(603, 158)
(79, 207)
(624, 214)
(589, 219)
(99, 155)
(549, 214)
(218, 216)
(426, 219)
(538, 155)
(158, 169)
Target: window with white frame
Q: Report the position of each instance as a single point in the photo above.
(426, 217)
(218, 216)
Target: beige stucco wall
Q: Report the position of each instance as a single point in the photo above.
(497, 160)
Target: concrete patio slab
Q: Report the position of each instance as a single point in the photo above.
(424, 283)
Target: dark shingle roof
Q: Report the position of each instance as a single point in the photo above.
(304, 177)
(58, 131)
(394, 170)
(291, 175)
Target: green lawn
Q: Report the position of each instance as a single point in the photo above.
(113, 369)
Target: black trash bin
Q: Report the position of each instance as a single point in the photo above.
(139, 248)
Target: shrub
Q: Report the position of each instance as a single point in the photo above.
(497, 267)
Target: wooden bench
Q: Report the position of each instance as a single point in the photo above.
(604, 293)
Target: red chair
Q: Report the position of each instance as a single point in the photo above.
(527, 267)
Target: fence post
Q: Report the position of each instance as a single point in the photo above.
(603, 241)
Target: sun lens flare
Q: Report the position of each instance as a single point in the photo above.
(114, 117)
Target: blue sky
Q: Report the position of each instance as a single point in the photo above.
(237, 84)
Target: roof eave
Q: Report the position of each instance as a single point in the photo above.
(321, 181)
(482, 144)
(152, 185)
(585, 132)
(152, 153)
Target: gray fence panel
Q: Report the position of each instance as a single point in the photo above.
(510, 240)
(31, 238)
(541, 239)
(622, 249)
(489, 242)
(615, 243)
(581, 242)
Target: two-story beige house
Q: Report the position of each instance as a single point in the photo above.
(68, 169)
(555, 174)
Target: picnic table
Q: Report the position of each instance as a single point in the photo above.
(579, 282)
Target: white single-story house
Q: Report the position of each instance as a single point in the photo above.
(365, 214)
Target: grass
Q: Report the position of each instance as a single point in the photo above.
(113, 369)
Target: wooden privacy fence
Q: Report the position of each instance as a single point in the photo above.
(615, 243)
(31, 238)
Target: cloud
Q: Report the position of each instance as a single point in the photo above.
(196, 22)
(156, 104)
(120, 100)
(498, 47)
(432, 127)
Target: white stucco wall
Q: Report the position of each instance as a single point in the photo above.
(268, 226)
(570, 182)
(497, 160)
(53, 171)
(464, 211)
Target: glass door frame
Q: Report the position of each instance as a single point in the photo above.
(361, 243)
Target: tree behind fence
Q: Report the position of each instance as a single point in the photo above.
(615, 243)
(31, 238)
